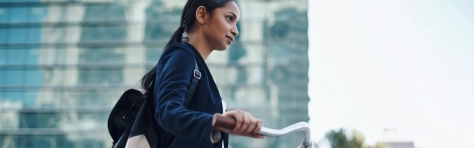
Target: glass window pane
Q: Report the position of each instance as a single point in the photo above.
(30, 98)
(16, 56)
(116, 33)
(62, 141)
(93, 34)
(34, 77)
(48, 120)
(96, 12)
(153, 54)
(236, 52)
(4, 15)
(72, 15)
(58, 56)
(71, 34)
(167, 28)
(93, 142)
(101, 55)
(38, 120)
(104, 33)
(89, 76)
(37, 14)
(112, 76)
(4, 35)
(83, 98)
(3, 74)
(17, 35)
(24, 141)
(34, 35)
(19, 14)
(14, 77)
(25, 0)
(33, 56)
(3, 57)
(116, 12)
(21, 97)
(90, 55)
(14, 96)
(60, 35)
(57, 0)
(98, 76)
(153, 31)
(113, 55)
(44, 141)
(54, 14)
(51, 75)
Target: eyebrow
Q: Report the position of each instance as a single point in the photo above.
(233, 14)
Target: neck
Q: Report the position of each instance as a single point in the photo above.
(200, 43)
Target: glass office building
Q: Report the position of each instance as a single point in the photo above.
(64, 64)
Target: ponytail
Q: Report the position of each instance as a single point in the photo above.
(177, 36)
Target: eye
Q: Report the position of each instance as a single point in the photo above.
(230, 18)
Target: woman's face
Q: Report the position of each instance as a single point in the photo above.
(221, 27)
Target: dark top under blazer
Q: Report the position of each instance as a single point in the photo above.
(192, 127)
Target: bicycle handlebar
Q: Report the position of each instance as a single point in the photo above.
(227, 124)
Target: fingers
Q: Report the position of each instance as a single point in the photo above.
(238, 116)
(239, 120)
(252, 124)
(246, 124)
(257, 127)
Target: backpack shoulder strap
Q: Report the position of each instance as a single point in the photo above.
(192, 86)
(168, 139)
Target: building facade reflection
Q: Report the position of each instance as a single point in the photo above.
(63, 65)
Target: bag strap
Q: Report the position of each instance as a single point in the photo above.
(192, 86)
(189, 97)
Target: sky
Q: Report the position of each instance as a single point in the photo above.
(398, 64)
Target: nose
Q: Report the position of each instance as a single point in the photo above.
(234, 31)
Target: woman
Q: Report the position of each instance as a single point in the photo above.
(210, 25)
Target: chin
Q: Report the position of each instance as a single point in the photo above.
(222, 48)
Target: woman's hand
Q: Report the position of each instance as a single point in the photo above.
(246, 124)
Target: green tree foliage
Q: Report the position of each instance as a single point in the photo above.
(340, 139)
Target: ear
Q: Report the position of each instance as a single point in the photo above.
(201, 15)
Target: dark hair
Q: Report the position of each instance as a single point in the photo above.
(188, 19)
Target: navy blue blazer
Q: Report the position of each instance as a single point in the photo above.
(192, 127)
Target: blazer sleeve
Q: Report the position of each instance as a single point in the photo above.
(175, 76)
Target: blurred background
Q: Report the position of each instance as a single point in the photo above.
(65, 63)
(398, 72)
(365, 74)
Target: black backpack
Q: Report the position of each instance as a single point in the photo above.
(134, 116)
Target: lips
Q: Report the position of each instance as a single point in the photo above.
(230, 38)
